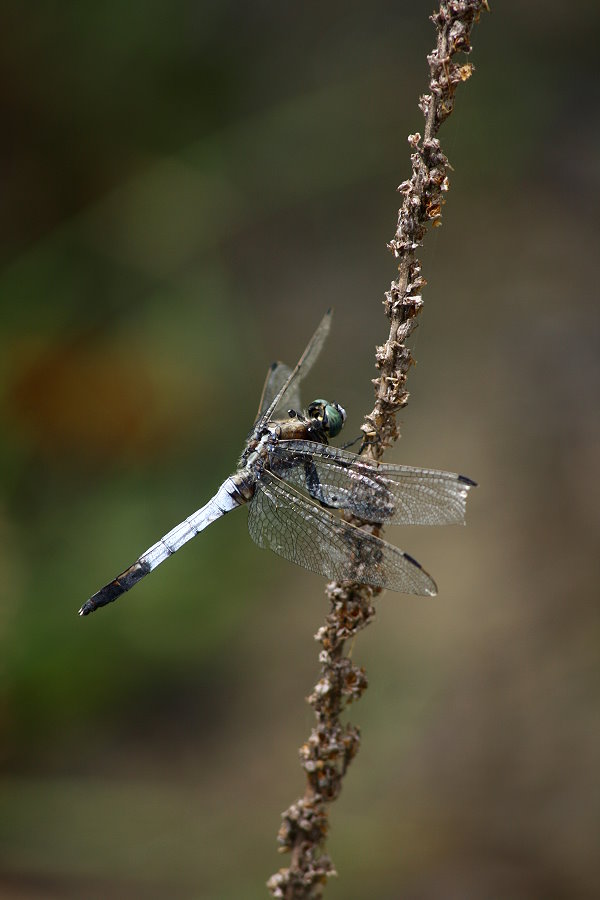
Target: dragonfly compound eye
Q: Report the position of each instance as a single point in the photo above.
(330, 416)
(334, 418)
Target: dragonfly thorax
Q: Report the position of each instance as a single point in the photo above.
(319, 422)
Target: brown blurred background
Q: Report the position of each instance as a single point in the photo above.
(185, 189)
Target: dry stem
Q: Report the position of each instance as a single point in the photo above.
(332, 745)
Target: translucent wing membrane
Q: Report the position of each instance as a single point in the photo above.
(283, 519)
(277, 376)
(375, 492)
(283, 395)
(226, 499)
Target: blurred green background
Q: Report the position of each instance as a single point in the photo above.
(186, 188)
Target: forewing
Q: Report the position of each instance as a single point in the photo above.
(289, 390)
(277, 376)
(281, 518)
(375, 492)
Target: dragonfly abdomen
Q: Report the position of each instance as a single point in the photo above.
(235, 490)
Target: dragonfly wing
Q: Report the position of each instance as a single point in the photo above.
(287, 522)
(375, 492)
(302, 368)
(277, 376)
(226, 499)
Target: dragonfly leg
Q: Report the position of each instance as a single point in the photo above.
(349, 444)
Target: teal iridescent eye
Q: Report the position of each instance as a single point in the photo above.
(335, 416)
(331, 416)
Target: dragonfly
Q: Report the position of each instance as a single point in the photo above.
(295, 483)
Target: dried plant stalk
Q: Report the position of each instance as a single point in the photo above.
(332, 745)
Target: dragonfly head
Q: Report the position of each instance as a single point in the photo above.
(330, 416)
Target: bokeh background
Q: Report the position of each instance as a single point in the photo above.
(185, 189)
